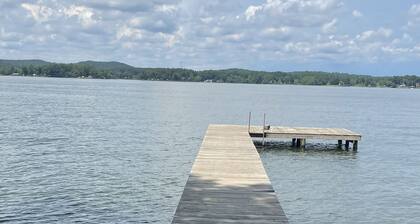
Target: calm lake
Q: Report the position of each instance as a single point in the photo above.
(120, 151)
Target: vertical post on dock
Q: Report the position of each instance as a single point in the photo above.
(347, 144)
(355, 144)
(293, 142)
(340, 144)
(263, 131)
(249, 122)
(301, 142)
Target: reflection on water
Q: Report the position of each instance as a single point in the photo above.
(323, 184)
(310, 149)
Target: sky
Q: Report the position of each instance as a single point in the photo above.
(374, 37)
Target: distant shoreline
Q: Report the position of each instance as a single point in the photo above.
(233, 83)
(117, 70)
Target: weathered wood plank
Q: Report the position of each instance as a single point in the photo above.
(228, 182)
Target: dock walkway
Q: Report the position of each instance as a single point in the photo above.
(228, 182)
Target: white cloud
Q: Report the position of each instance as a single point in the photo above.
(251, 11)
(39, 12)
(293, 12)
(166, 8)
(405, 40)
(298, 47)
(276, 31)
(123, 5)
(126, 32)
(415, 10)
(6, 36)
(413, 23)
(330, 26)
(375, 34)
(172, 39)
(233, 37)
(207, 20)
(284, 6)
(396, 50)
(357, 13)
(136, 21)
(165, 32)
(84, 14)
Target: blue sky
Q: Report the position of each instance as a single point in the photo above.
(356, 36)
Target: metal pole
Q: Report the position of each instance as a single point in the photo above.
(263, 131)
(264, 121)
(249, 122)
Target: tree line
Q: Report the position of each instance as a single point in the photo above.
(104, 71)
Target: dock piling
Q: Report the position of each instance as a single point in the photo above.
(340, 144)
(355, 145)
(347, 145)
(301, 142)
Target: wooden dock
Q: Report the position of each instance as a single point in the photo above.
(228, 183)
(300, 134)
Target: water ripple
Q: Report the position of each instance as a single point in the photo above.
(114, 151)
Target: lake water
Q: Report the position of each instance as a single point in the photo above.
(120, 151)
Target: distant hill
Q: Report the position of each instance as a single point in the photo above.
(18, 63)
(111, 65)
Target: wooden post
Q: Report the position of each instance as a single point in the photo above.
(301, 142)
(355, 144)
(340, 144)
(249, 122)
(263, 131)
(347, 144)
(293, 141)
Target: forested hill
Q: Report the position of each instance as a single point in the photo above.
(112, 65)
(117, 70)
(20, 63)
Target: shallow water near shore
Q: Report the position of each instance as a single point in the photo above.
(120, 151)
